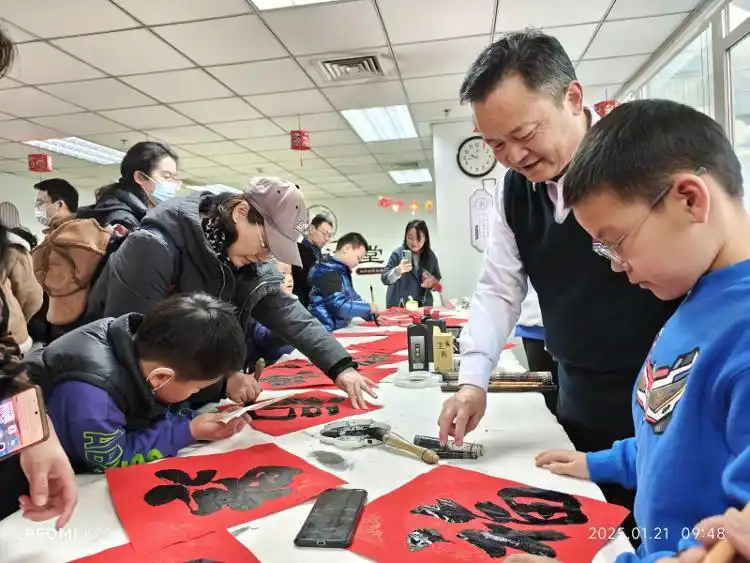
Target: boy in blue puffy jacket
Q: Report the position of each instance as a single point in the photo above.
(333, 300)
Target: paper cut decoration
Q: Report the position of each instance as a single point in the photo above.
(182, 498)
(452, 514)
(302, 411)
(388, 345)
(216, 547)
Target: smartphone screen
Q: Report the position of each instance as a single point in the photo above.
(23, 421)
(333, 519)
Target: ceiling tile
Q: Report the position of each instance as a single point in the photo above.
(99, 94)
(320, 175)
(91, 16)
(328, 121)
(170, 11)
(5, 117)
(41, 63)
(608, 71)
(370, 179)
(574, 38)
(266, 143)
(326, 138)
(374, 94)
(247, 129)
(644, 36)
(173, 86)
(14, 165)
(143, 53)
(351, 160)
(342, 150)
(429, 20)
(28, 102)
(263, 77)
(390, 147)
(435, 111)
(17, 150)
(322, 28)
(258, 169)
(193, 162)
(434, 89)
(76, 124)
(359, 169)
(246, 157)
(396, 158)
(224, 41)
(122, 140)
(438, 57)
(216, 111)
(624, 9)
(61, 162)
(424, 129)
(513, 15)
(212, 149)
(8, 83)
(313, 164)
(291, 103)
(21, 130)
(287, 156)
(17, 35)
(151, 117)
(189, 134)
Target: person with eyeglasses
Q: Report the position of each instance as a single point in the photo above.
(223, 245)
(311, 247)
(528, 106)
(148, 176)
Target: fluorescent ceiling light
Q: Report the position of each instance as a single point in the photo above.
(215, 188)
(416, 176)
(381, 124)
(273, 4)
(79, 148)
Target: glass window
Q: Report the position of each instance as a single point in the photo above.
(739, 69)
(737, 12)
(687, 78)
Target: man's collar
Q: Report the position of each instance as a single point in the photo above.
(592, 117)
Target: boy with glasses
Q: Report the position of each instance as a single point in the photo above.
(658, 187)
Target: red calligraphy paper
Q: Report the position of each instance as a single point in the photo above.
(376, 359)
(451, 514)
(388, 345)
(377, 374)
(216, 546)
(294, 374)
(302, 411)
(363, 333)
(182, 498)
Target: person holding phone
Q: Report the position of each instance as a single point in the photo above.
(413, 269)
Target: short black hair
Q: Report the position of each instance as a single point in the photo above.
(197, 335)
(355, 239)
(59, 189)
(319, 219)
(636, 149)
(8, 52)
(537, 58)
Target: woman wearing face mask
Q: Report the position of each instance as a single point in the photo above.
(220, 244)
(413, 269)
(148, 177)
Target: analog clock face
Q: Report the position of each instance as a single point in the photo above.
(475, 157)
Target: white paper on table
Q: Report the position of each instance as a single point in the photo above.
(255, 406)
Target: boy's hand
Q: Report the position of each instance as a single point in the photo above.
(404, 267)
(564, 462)
(52, 484)
(210, 428)
(242, 388)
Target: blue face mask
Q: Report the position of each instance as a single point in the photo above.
(164, 190)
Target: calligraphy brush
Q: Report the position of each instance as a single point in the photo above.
(723, 552)
(260, 365)
(374, 315)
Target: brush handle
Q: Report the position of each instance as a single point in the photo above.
(723, 552)
(398, 443)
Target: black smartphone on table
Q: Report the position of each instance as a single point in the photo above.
(333, 519)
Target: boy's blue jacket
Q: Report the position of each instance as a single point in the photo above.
(690, 457)
(100, 404)
(333, 300)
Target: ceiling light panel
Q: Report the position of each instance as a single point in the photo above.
(275, 4)
(81, 149)
(388, 123)
(417, 176)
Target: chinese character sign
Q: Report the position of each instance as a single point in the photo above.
(452, 514)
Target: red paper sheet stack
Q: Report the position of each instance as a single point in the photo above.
(301, 374)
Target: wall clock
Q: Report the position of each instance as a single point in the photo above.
(475, 157)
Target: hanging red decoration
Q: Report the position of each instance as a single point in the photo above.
(385, 202)
(398, 205)
(413, 207)
(300, 140)
(40, 163)
(604, 107)
(429, 205)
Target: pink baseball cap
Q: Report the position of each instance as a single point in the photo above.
(284, 213)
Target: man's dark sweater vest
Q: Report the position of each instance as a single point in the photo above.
(598, 326)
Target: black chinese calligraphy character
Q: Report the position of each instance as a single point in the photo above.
(284, 380)
(528, 505)
(372, 359)
(201, 561)
(204, 496)
(374, 254)
(309, 407)
(422, 538)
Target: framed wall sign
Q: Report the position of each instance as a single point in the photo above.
(480, 211)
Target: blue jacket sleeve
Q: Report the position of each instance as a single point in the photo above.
(736, 477)
(393, 261)
(94, 428)
(344, 307)
(616, 465)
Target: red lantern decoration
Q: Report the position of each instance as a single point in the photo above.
(300, 141)
(398, 205)
(40, 163)
(385, 202)
(604, 107)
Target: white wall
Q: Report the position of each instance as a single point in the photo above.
(382, 228)
(460, 262)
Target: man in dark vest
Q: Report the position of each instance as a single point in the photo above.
(528, 105)
(311, 251)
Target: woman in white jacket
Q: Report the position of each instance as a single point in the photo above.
(530, 329)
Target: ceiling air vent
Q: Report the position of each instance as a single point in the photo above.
(352, 68)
